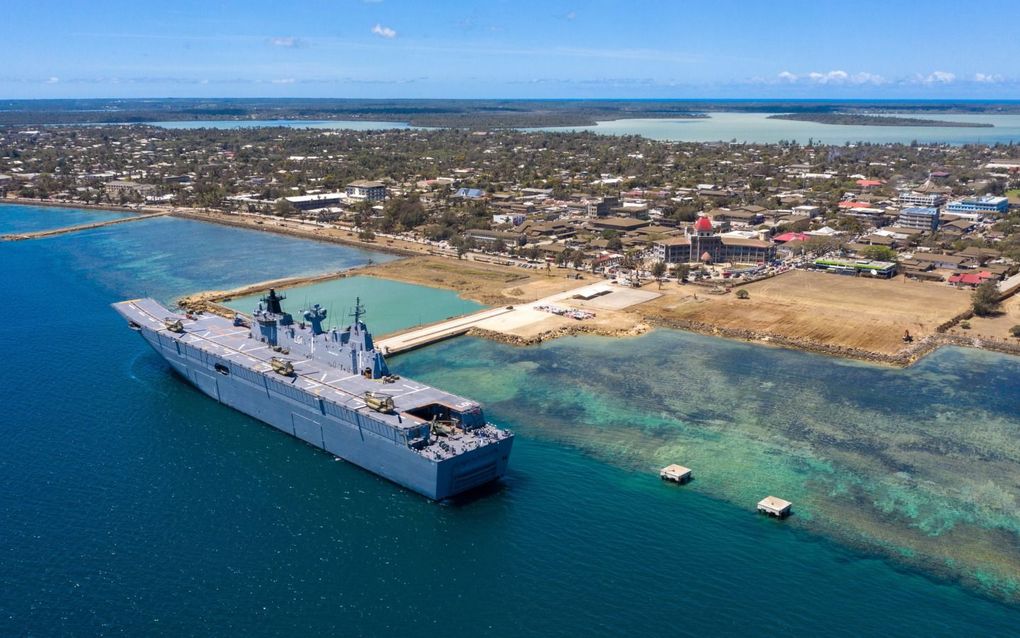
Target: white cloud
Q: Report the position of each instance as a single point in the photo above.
(52, 79)
(987, 78)
(284, 81)
(288, 42)
(384, 32)
(836, 76)
(570, 15)
(867, 78)
(831, 77)
(937, 77)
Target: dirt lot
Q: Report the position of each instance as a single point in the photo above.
(998, 326)
(854, 312)
(484, 283)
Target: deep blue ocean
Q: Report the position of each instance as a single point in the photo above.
(134, 505)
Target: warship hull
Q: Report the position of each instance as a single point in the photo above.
(356, 436)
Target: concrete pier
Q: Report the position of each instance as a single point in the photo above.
(774, 507)
(73, 229)
(676, 473)
(432, 333)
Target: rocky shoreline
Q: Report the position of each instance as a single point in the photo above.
(902, 359)
(563, 331)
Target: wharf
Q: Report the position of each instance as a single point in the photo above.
(522, 323)
(520, 319)
(80, 227)
(432, 333)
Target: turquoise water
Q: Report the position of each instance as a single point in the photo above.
(345, 125)
(167, 257)
(921, 464)
(743, 127)
(15, 218)
(758, 128)
(391, 305)
(134, 505)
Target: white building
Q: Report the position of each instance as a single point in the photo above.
(927, 200)
(371, 191)
(515, 219)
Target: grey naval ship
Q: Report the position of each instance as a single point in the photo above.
(332, 389)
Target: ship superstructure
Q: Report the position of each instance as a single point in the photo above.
(331, 388)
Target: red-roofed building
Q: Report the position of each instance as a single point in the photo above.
(869, 183)
(971, 279)
(854, 205)
(788, 237)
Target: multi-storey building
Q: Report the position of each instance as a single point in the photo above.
(927, 200)
(919, 217)
(986, 204)
(371, 191)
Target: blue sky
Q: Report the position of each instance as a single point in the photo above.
(522, 48)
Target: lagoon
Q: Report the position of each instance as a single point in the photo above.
(757, 128)
(390, 305)
(340, 125)
(16, 218)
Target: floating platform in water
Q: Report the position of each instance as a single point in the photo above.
(774, 507)
(676, 473)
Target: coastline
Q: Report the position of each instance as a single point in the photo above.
(491, 284)
(872, 119)
(60, 203)
(295, 229)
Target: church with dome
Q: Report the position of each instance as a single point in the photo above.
(702, 244)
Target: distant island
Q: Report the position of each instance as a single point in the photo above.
(861, 119)
(488, 114)
(470, 114)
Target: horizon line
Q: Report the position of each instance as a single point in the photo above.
(523, 99)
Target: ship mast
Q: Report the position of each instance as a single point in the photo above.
(359, 310)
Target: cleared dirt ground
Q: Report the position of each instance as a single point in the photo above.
(998, 326)
(856, 312)
(484, 283)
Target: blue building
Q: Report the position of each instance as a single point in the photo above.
(986, 204)
(919, 217)
(469, 193)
